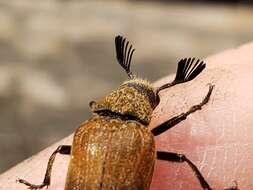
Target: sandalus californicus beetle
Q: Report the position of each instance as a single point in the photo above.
(115, 149)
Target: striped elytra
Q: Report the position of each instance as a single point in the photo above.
(109, 153)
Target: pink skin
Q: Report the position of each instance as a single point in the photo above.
(218, 139)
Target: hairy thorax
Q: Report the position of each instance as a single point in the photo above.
(135, 98)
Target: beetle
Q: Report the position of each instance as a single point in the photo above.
(115, 149)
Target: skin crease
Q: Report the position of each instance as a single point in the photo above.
(218, 139)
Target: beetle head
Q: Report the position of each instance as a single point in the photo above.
(136, 98)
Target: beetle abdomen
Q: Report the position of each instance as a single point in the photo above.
(111, 154)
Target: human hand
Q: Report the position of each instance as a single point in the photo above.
(218, 139)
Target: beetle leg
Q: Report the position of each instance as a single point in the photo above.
(175, 157)
(62, 149)
(177, 119)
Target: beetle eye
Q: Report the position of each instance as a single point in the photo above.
(92, 104)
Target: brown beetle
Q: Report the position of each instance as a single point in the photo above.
(115, 149)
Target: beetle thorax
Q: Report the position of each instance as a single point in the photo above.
(133, 98)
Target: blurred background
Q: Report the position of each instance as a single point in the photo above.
(58, 55)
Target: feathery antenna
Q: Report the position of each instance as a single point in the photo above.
(187, 70)
(124, 54)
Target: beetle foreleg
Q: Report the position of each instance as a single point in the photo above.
(177, 119)
(62, 149)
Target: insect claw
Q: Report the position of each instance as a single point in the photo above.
(235, 187)
(31, 186)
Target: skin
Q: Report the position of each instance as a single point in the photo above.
(218, 139)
